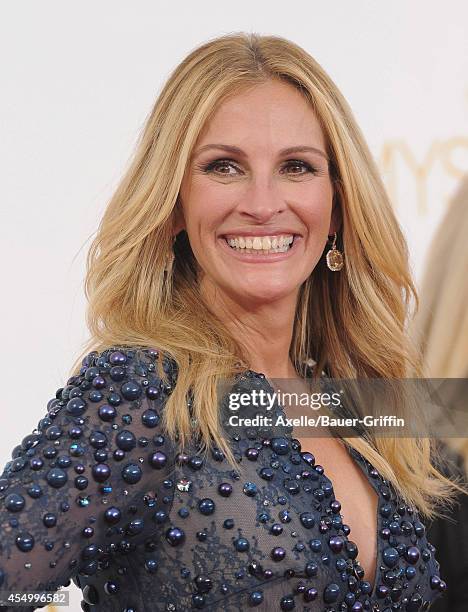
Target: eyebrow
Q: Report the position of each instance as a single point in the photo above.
(287, 151)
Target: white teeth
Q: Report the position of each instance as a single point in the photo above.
(257, 244)
(262, 244)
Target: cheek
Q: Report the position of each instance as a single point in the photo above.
(316, 208)
(207, 206)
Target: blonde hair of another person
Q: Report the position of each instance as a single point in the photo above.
(353, 322)
(441, 324)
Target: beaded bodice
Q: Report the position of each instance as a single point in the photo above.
(99, 495)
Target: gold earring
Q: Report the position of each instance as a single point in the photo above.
(170, 257)
(334, 257)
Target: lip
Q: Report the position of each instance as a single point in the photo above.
(272, 232)
(253, 258)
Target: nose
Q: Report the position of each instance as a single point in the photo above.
(262, 199)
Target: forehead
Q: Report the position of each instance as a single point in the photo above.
(274, 113)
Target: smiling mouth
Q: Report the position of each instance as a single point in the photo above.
(261, 245)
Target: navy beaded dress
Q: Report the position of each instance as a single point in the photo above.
(98, 495)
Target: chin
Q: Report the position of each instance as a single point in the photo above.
(263, 292)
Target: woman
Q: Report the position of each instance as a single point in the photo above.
(441, 331)
(134, 484)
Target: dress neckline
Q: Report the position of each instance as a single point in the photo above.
(359, 459)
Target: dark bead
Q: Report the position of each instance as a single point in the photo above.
(225, 489)
(267, 473)
(256, 598)
(175, 536)
(366, 587)
(131, 473)
(125, 440)
(97, 439)
(117, 358)
(280, 446)
(198, 601)
(101, 472)
(56, 477)
(111, 587)
(206, 506)
(251, 454)
(134, 527)
(36, 463)
(419, 529)
(291, 486)
(152, 393)
(76, 406)
(250, 489)
(203, 584)
(278, 553)
(412, 555)
(131, 390)
(310, 594)
(410, 573)
(150, 418)
(14, 502)
(382, 591)
(336, 543)
(158, 460)
(315, 545)
(331, 593)
(100, 455)
(390, 556)
(64, 461)
(151, 566)
(53, 432)
(241, 544)
(107, 413)
(276, 529)
(287, 602)
(112, 515)
(24, 541)
(311, 569)
(307, 519)
(195, 462)
(49, 520)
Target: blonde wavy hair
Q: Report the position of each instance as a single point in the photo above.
(353, 323)
(440, 327)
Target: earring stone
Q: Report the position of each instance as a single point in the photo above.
(334, 257)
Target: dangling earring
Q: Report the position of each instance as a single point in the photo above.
(334, 257)
(170, 257)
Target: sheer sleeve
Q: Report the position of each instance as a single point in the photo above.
(92, 476)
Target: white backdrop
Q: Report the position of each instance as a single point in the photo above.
(78, 80)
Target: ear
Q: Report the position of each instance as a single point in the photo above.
(336, 216)
(179, 220)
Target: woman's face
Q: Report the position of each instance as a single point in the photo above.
(258, 177)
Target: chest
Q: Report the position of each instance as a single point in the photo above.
(358, 499)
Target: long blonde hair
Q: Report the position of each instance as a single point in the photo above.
(440, 327)
(352, 322)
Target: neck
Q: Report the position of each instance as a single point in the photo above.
(263, 329)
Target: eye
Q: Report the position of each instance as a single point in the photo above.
(301, 165)
(218, 165)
